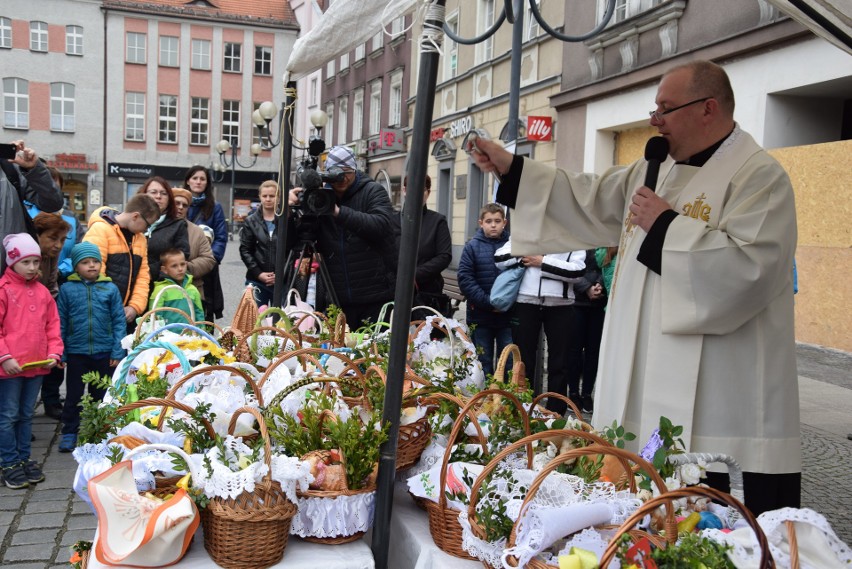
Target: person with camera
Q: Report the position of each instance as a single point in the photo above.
(353, 234)
(23, 177)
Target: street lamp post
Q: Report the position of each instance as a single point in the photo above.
(222, 147)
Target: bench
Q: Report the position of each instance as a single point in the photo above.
(451, 287)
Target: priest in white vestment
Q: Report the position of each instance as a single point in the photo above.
(700, 321)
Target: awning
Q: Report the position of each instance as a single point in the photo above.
(829, 19)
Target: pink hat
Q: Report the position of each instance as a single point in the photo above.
(20, 246)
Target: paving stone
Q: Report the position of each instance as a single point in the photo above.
(12, 502)
(42, 536)
(6, 520)
(50, 494)
(81, 507)
(71, 537)
(33, 521)
(89, 522)
(50, 506)
(34, 552)
(53, 480)
(32, 566)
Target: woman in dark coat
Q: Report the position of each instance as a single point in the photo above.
(205, 210)
(168, 231)
(258, 243)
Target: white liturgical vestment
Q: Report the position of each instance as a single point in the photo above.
(709, 342)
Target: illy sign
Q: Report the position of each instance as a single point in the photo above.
(539, 128)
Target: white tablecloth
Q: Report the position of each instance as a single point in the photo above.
(411, 544)
(299, 554)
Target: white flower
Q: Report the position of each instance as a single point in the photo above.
(644, 495)
(690, 474)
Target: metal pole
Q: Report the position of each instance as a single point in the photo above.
(515, 72)
(412, 213)
(231, 192)
(282, 209)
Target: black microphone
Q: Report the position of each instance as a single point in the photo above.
(310, 179)
(656, 151)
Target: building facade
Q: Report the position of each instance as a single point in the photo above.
(52, 63)
(181, 76)
(365, 94)
(473, 93)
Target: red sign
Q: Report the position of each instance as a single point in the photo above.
(539, 128)
(72, 162)
(436, 134)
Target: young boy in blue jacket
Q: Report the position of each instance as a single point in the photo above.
(91, 313)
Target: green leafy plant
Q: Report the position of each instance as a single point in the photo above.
(359, 444)
(97, 420)
(270, 352)
(617, 435)
(193, 427)
(97, 380)
(692, 551)
(491, 507)
(304, 433)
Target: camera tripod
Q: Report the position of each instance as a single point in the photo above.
(300, 280)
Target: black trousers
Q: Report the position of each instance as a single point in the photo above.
(584, 348)
(527, 321)
(50, 386)
(358, 315)
(763, 492)
(77, 366)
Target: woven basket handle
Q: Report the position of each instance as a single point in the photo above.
(181, 326)
(164, 403)
(518, 371)
(288, 324)
(264, 434)
(459, 422)
(563, 398)
(735, 471)
(213, 325)
(203, 370)
(250, 338)
(666, 499)
(127, 362)
(348, 363)
(165, 448)
(339, 332)
(147, 316)
(185, 295)
(307, 381)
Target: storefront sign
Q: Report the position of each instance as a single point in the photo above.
(72, 162)
(117, 169)
(461, 127)
(392, 139)
(436, 134)
(94, 197)
(539, 128)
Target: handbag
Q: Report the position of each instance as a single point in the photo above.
(504, 292)
(135, 529)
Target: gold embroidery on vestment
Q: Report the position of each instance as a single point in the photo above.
(698, 209)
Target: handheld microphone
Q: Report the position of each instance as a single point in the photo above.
(656, 151)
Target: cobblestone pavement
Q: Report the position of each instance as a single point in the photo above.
(37, 525)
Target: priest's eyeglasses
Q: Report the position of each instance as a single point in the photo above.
(658, 115)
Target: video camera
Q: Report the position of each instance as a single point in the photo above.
(316, 200)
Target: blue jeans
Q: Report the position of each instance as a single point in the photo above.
(18, 396)
(484, 337)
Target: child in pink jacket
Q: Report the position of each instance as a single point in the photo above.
(29, 333)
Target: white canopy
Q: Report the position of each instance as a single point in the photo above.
(829, 19)
(345, 25)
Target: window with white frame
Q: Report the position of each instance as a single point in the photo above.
(136, 48)
(342, 119)
(395, 112)
(377, 41)
(167, 128)
(485, 18)
(168, 51)
(329, 69)
(199, 121)
(397, 26)
(233, 60)
(5, 33)
(358, 114)
(360, 51)
(344, 62)
(231, 122)
(451, 48)
(134, 117)
(262, 60)
(625, 9)
(38, 36)
(201, 54)
(375, 107)
(532, 29)
(314, 92)
(329, 128)
(62, 107)
(16, 103)
(74, 40)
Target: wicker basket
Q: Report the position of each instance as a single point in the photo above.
(251, 530)
(246, 314)
(665, 500)
(137, 335)
(206, 369)
(519, 370)
(184, 327)
(246, 348)
(444, 520)
(552, 414)
(598, 448)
